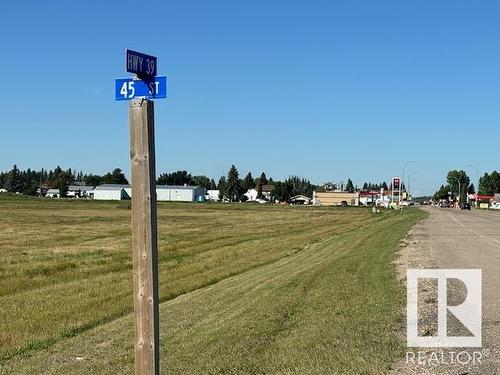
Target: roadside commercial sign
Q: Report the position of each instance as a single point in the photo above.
(395, 183)
(140, 64)
(130, 88)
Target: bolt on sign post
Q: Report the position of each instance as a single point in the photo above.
(139, 90)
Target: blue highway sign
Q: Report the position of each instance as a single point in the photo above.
(130, 88)
(140, 64)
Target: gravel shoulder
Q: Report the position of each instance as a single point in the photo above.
(453, 239)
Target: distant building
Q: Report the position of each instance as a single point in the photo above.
(53, 193)
(212, 195)
(335, 198)
(300, 199)
(174, 193)
(80, 191)
(267, 191)
(251, 195)
(112, 192)
(379, 198)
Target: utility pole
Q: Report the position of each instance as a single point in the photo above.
(144, 238)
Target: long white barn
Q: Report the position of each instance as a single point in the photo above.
(112, 192)
(163, 192)
(179, 193)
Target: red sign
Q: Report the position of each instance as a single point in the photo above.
(395, 183)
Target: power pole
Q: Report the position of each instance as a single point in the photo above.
(144, 237)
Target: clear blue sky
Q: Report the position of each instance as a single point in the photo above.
(321, 89)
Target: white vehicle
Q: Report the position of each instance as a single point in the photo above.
(495, 206)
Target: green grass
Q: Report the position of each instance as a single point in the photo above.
(245, 289)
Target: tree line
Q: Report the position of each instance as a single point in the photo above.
(31, 182)
(233, 188)
(458, 183)
(489, 184)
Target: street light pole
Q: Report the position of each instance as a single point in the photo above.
(477, 181)
(403, 177)
(409, 177)
(459, 195)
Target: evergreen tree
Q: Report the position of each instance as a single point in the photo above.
(278, 191)
(262, 181)
(233, 187)
(92, 180)
(14, 181)
(349, 186)
(249, 182)
(213, 185)
(221, 186)
(442, 193)
(489, 184)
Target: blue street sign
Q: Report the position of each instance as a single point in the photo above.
(130, 88)
(140, 64)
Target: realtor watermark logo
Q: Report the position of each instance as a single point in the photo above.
(469, 312)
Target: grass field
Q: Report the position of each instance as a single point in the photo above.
(244, 289)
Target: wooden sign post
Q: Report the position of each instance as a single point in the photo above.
(145, 85)
(144, 237)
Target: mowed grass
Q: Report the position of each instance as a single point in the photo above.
(245, 289)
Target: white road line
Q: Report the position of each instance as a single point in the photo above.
(473, 231)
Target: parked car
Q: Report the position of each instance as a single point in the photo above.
(495, 206)
(465, 206)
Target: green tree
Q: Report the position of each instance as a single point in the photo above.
(249, 182)
(202, 181)
(442, 193)
(115, 177)
(233, 187)
(14, 181)
(489, 184)
(92, 180)
(278, 191)
(178, 178)
(221, 186)
(349, 186)
(262, 181)
(458, 181)
(213, 185)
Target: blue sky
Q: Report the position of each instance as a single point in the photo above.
(321, 89)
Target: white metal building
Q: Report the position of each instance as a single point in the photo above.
(53, 193)
(80, 191)
(112, 192)
(179, 193)
(212, 195)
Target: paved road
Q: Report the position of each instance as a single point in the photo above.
(451, 238)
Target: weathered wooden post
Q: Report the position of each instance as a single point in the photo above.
(145, 85)
(144, 238)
